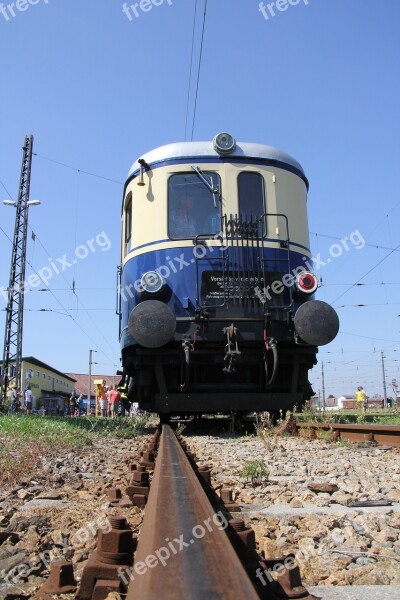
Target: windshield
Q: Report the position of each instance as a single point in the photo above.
(193, 208)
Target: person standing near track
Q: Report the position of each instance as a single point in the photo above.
(115, 398)
(103, 402)
(361, 398)
(28, 400)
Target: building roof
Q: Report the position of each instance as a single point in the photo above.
(39, 363)
(82, 381)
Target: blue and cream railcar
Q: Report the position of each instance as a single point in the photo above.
(216, 288)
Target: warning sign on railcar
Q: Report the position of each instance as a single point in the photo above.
(217, 286)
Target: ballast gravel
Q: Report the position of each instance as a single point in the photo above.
(334, 545)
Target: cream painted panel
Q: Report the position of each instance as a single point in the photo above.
(148, 208)
(149, 202)
(232, 171)
(291, 195)
(275, 224)
(189, 244)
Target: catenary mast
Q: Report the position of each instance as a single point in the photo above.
(12, 355)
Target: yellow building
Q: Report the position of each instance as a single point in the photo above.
(50, 387)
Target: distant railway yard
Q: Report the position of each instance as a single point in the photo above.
(307, 510)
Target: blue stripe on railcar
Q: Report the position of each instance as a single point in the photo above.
(178, 267)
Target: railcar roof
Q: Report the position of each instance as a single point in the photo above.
(191, 150)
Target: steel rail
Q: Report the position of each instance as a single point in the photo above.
(386, 435)
(183, 551)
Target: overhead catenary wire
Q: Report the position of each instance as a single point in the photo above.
(57, 162)
(338, 239)
(199, 66)
(363, 284)
(7, 192)
(66, 311)
(367, 273)
(190, 68)
(72, 288)
(79, 303)
(368, 305)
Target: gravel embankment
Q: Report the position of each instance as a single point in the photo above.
(334, 544)
(57, 514)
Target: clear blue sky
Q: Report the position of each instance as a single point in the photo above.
(97, 89)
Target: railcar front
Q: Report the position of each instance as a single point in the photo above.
(216, 288)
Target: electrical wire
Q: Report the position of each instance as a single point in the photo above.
(70, 287)
(66, 311)
(190, 69)
(338, 239)
(7, 236)
(367, 305)
(367, 273)
(77, 170)
(7, 192)
(362, 284)
(199, 67)
(79, 302)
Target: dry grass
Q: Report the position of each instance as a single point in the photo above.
(26, 440)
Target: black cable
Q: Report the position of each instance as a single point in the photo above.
(7, 192)
(367, 273)
(199, 67)
(190, 69)
(66, 311)
(75, 169)
(79, 302)
(332, 237)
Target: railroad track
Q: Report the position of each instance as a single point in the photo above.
(380, 435)
(194, 549)
(185, 537)
(191, 544)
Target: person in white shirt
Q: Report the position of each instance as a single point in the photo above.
(28, 400)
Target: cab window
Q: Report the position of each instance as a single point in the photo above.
(251, 195)
(193, 209)
(128, 218)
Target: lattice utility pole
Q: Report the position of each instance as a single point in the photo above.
(12, 355)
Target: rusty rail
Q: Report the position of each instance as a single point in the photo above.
(381, 435)
(186, 549)
(183, 550)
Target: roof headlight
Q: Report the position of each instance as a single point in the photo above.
(152, 282)
(224, 143)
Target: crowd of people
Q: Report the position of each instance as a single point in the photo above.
(22, 402)
(111, 401)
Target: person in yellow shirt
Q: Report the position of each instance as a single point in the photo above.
(361, 398)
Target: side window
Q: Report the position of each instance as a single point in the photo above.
(128, 218)
(192, 207)
(251, 195)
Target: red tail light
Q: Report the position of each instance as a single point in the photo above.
(306, 282)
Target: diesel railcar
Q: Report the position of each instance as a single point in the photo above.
(216, 290)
